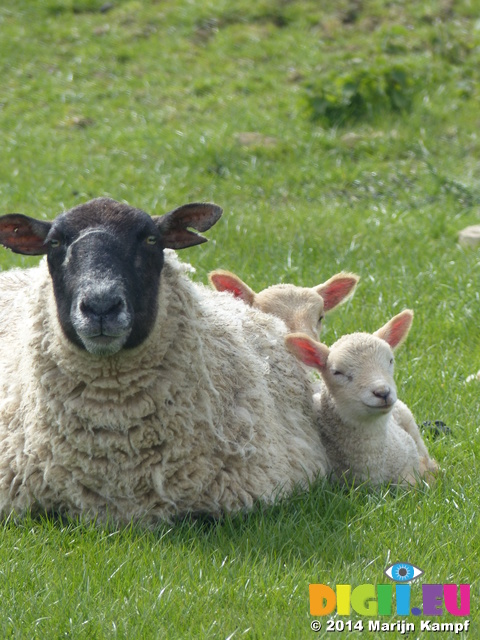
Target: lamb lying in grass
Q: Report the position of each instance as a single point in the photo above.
(367, 432)
(301, 308)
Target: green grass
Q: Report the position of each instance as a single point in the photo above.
(365, 159)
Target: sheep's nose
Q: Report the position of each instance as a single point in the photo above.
(104, 310)
(102, 306)
(382, 391)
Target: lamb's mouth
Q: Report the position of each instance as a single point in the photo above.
(382, 408)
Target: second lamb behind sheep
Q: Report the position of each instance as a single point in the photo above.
(301, 308)
(367, 432)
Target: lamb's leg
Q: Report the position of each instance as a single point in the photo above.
(404, 418)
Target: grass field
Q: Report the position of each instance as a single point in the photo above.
(337, 135)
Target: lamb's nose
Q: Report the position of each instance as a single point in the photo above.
(382, 391)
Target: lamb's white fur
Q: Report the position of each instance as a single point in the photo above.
(301, 308)
(208, 415)
(367, 432)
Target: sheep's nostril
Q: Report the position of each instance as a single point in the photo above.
(99, 306)
(116, 307)
(87, 309)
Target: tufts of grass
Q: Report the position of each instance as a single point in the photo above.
(168, 102)
(361, 94)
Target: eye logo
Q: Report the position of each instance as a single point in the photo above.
(403, 572)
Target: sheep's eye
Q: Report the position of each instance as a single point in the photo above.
(54, 243)
(320, 319)
(151, 240)
(391, 360)
(338, 373)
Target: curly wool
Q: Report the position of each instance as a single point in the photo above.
(208, 415)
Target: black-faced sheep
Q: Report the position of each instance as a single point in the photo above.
(127, 391)
(367, 432)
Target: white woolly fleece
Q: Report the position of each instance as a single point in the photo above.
(208, 415)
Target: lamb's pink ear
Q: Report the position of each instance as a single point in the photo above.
(311, 353)
(337, 289)
(396, 330)
(24, 235)
(174, 225)
(226, 281)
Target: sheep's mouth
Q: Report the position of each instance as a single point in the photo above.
(103, 344)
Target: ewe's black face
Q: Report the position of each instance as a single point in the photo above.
(105, 259)
(105, 271)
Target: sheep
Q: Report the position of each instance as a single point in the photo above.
(367, 432)
(128, 392)
(301, 308)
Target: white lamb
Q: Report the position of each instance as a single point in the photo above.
(367, 432)
(129, 392)
(301, 308)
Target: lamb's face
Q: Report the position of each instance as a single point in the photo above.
(359, 376)
(357, 369)
(105, 260)
(301, 309)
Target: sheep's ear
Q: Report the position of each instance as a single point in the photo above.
(312, 353)
(396, 330)
(337, 289)
(226, 281)
(23, 234)
(174, 224)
